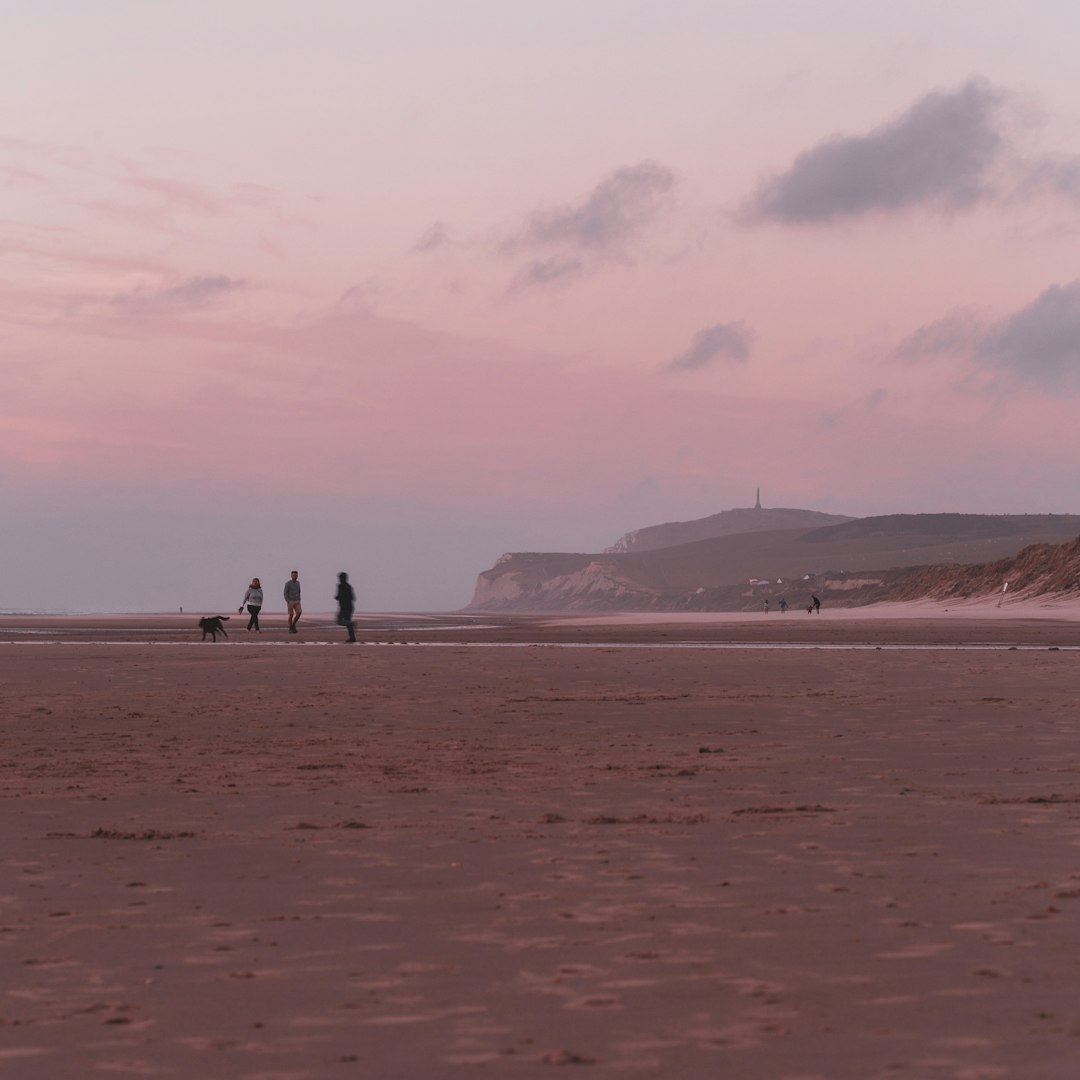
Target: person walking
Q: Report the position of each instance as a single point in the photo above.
(783, 605)
(253, 598)
(346, 601)
(815, 603)
(292, 600)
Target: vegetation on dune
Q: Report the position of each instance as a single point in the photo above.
(1037, 570)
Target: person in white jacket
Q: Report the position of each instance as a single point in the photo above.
(253, 598)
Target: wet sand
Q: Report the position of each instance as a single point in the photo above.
(284, 857)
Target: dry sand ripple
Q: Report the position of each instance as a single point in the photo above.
(401, 862)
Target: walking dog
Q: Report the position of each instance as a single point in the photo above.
(213, 625)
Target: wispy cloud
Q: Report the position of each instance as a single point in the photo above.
(44, 154)
(557, 270)
(958, 333)
(1056, 175)
(855, 410)
(724, 341)
(617, 208)
(183, 197)
(191, 292)
(569, 240)
(939, 153)
(434, 237)
(166, 204)
(15, 175)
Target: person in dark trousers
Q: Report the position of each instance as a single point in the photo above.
(253, 598)
(815, 603)
(346, 601)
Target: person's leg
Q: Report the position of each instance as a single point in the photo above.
(251, 616)
(255, 619)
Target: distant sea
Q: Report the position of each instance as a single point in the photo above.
(57, 611)
(30, 611)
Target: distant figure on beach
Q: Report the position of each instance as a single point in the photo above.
(815, 605)
(292, 600)
(766, 607)
(253, 598)
(783, 605)
(346, 601)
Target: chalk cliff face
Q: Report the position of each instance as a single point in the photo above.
(855, 561)
(534, 582)
(519, 581)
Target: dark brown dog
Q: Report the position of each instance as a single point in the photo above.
(212, 625)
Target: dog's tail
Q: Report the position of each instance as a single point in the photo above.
(224, 617)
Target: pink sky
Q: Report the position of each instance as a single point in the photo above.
(396, 288)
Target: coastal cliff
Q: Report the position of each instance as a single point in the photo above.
(849, 562)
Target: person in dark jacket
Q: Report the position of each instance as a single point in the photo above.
(346, 601)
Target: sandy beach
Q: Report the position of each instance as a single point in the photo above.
(843, 847)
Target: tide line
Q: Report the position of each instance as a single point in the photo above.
(719, 646)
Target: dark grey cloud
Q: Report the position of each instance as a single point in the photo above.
(724, 341)
(617, 208)
(191, 292)
(939, 153)
(1041, 342)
